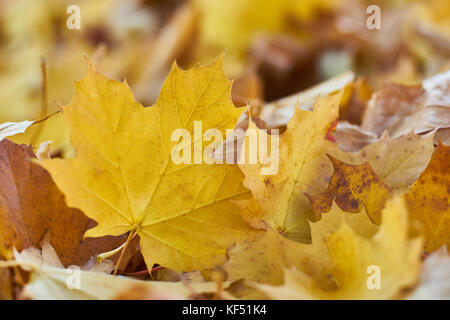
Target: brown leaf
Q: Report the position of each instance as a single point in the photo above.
(400, 108)
(360, 94)
(5, 284)
(352, 138)
(31, 204)
(388, 107)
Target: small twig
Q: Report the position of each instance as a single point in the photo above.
(44, 101)
(142, 272)
(157, 268)
(137, 273)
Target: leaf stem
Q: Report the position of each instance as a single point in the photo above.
(44, 101)
(124, 247)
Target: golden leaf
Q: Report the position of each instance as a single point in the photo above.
(123, 176)
(303, 167)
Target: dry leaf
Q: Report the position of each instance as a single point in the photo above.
(123, 176)
(278, 113)
(354, 259)
(353, 187)
(50, 281)
(303, 167)
(263, 260)
(352, 138)
(8, 129)
(400, 109)
(31, 204)
(6, 288)
(427, 200)
(398, 161)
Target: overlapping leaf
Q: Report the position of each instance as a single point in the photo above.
(32, 205)
(353, 187)
(353, 259)
(303, 167)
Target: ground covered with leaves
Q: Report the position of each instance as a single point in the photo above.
(356, 121)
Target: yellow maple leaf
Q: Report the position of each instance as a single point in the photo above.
(380, 267)
(427, 200)
(123, 176)
(303, 167)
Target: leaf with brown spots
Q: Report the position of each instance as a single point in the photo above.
(31, 204)
(427, 200)
(353, 187)
(398, 161)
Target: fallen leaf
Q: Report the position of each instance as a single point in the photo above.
(303, 167)
(264, 260)
(244, 23)
(90, 248)
(31, 204)
(352, 138)
(8, 129)
(278, 113)
(355, 261)
(427, 200)
(400, 108)
(359, 95)
(50, 281)
(123, 176)
(6, 288)
(397, 161)
(388, 107)
(353, 187)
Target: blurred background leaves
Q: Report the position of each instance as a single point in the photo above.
(274, 48)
